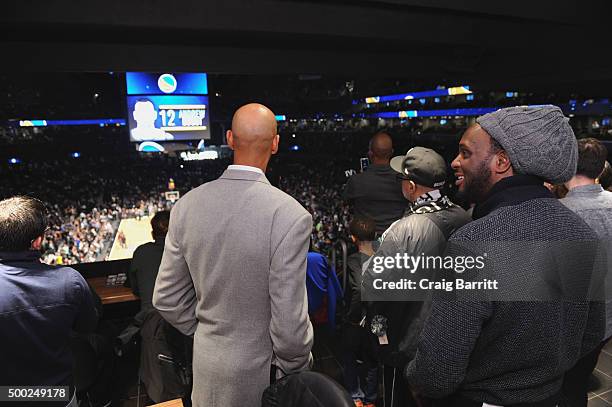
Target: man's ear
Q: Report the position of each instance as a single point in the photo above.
(275, 142)
(229, 136)
(502, 162)
(36, 243)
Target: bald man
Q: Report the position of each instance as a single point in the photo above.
(233, 273)
(377, 193)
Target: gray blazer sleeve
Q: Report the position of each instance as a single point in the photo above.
(174, 294)
(290, 328)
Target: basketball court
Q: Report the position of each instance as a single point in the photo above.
(136, 232)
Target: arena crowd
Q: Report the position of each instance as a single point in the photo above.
(527, 349)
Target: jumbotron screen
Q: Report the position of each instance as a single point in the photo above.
(167, 106)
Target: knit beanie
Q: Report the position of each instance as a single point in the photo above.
(538, 140)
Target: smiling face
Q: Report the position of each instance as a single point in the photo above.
(478, 166)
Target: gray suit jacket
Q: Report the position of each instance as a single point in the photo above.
(233, 274)
(594, 206)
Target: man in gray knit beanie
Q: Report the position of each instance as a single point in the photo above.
(508, 347)
(535, 141)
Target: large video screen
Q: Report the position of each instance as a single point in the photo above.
(168, 117)
(167, 106)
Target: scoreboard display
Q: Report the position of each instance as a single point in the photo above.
(167, 106)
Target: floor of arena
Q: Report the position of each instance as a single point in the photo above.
(136, 231)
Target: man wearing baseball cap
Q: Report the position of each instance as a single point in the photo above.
(513, 348)
(429, 221)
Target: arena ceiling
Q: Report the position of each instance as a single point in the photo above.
(544, 45)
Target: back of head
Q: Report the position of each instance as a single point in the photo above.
(591, 157)
(22, 220)
(381, 147)
(253, 130)
(363, 228)
(159, 224)
(423, 166)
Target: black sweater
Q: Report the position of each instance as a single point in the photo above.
(508, 352)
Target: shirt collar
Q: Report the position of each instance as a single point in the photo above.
(585, 190)
(511, 191)
(245, 168)
(22, 256)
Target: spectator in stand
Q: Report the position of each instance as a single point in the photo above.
(508, 347)
(233, 273)
(40, 305)
(158, 336)
(317, 191)
(429, 221)
(146, 261)
(593, 204)
(355, 337)
(376, 192)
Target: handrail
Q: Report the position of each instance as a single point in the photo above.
(344, 249)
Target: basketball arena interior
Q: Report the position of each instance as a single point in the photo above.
(215, 203)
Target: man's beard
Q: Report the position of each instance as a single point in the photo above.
(476, 186)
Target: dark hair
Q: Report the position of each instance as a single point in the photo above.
(159, 224)
(363, 228)
(22, 220)
(559, 191)
(496, 147)
(381, 145)
(591, 157)
(605, 178)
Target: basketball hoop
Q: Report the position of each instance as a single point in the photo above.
(172, 196)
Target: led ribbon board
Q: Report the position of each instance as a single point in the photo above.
(455, 90)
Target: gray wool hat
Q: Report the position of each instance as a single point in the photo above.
(538, 140)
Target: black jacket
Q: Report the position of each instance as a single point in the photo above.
(40, 305)
(143, 271)
(509, 352)
(377, 194)
(415, 234)
(353, 292)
